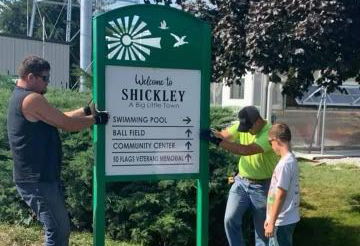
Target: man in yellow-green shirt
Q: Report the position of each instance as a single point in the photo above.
(248, 138)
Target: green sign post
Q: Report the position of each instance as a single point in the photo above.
(151, 72)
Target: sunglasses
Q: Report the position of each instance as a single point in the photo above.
(45, 78)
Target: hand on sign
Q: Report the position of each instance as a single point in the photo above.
(210, 136)
(101, 117)
(87, 108)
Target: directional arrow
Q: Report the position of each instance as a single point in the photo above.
(188, 132)
(188, 157)
(188, 144)
(187, 120)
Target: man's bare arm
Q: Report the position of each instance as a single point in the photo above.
(35, 107)
(75, 113)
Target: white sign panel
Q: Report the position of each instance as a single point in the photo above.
(154, 121)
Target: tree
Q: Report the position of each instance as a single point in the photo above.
(299, 38)
(295, 38)
(227, 19)
(12, 17)
(13, 20)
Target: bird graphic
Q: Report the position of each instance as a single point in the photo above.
(179, 41)
(163, 25)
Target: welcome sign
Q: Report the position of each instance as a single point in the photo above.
(155, 120)
(151, 73)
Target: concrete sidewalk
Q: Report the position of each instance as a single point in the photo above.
(328, 154)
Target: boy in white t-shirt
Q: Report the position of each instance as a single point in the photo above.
(283, 198)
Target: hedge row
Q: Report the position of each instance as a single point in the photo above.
(151, 213)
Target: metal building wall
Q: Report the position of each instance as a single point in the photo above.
(14, 49)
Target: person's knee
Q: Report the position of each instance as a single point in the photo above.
(230, 221)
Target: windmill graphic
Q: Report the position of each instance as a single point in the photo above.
(129, 39)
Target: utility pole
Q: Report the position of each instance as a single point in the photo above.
(32, 20)
(68, 21)
(43, 37)
(85, 39)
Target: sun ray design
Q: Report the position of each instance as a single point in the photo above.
(112, 38)
(153, 42)
(132, 54)
(142, 48)
(113, 53)
(140, 27)
(136, 51)
(142, 34)
(135, 19)
(126, 54)
(126, 24)
(121, 25)
(121, 53)
(114, 26)
(128, 38)
(113, 45)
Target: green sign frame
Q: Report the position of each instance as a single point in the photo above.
(175, 53)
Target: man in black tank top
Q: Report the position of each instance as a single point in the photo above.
(32, 125)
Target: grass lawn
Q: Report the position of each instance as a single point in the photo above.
(330, 206)
(330, 212)
(21, 236)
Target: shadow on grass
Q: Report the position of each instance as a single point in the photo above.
(355, 203)
(322, 231)
(307, 206)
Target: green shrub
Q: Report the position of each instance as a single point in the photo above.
(6, 82)
(15, 209)
(150, 213)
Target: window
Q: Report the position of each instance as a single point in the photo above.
(237, 91)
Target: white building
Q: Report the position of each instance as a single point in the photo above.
(252, 91)
(13, 49)
(341, 120)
